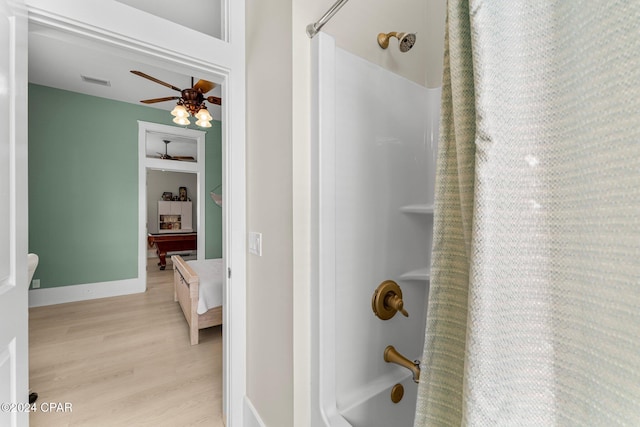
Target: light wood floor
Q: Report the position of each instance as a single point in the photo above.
(125, 361)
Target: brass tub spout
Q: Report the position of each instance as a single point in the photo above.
(391, 355)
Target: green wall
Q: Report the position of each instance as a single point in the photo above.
(83, 186)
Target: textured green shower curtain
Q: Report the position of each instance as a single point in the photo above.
(534, 307)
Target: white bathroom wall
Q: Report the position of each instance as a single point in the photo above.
(278, 153)
(269, 200)
(382, 165)
(355, 27)
(374, 149)
(358, 32)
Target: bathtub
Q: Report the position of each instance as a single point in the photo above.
(377, 410)
(372, 221)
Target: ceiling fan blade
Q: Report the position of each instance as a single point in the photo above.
(214, 100)
(153, 79)
(204, 86)
(154, 100)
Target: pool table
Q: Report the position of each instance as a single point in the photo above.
(172, 242)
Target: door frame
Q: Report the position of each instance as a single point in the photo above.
(96, 22)
(145, 163)
(14, 320)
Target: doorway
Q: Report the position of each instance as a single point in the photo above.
(189, 145)
(99, 29)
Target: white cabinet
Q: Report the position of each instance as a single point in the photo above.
(175, 217)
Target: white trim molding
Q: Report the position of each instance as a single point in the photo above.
(72, 293)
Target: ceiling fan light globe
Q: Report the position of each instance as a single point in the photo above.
(203, 114)
(180, 111)
(181, 121)
(203, 123)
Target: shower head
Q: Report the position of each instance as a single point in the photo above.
(406, 40)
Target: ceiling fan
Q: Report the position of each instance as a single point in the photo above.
(190, 102)
(166, 156)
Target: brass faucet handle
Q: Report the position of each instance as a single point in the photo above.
(394, 301)
(387, 300)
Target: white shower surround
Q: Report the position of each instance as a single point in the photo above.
(374, 147)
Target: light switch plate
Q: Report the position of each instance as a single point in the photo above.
(255, 243)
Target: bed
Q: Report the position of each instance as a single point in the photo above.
(197, 286)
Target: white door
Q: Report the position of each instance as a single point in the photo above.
(13, 215)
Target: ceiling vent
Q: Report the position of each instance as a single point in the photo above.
(95, 81)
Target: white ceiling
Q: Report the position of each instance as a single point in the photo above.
(58, 60)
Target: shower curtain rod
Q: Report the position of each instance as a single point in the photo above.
(312, 29)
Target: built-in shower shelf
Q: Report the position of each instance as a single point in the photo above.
(419, 274)
(418, 209)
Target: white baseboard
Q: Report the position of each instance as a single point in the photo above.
(251, 417)
(61, 294)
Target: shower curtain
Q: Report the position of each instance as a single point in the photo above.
(534, 307)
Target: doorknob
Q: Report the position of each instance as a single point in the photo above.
(387, 300)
